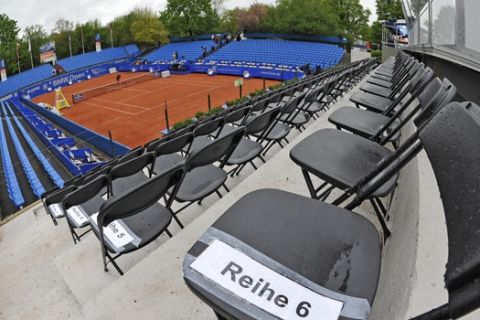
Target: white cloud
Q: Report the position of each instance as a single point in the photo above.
(46, 12)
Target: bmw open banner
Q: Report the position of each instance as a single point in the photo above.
(47, 52)
(3, 70)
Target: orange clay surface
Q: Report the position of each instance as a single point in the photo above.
(135, 114)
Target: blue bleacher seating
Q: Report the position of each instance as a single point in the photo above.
(92, 58)
(13, 188)
(186, 51)
(31, 175)
(26, 78)
(52, 173)
(280, 52)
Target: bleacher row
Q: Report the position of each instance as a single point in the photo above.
(9, 124)
(132, 196)
(46, 71)
(75, 158)
(281, 52)
(267, 52)
(92, 58)
(185, 51)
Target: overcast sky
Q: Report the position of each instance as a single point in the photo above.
(46, 12)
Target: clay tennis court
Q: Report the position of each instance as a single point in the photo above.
(135, 114)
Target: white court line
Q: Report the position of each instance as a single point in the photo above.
(118, 102)
(190, 95)
(147, 92)
(121, 111)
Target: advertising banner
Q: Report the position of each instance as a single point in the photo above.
(47, 52)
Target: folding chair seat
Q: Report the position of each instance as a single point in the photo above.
(136, 214)
(381, 128)
(335, 252)
(168, 153)
(328, 250)
(129, 174)
(201, 177)
(248, 150)
(294, 114)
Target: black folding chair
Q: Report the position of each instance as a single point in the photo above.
(129, 174)
(201, 177)
(383, 128)
(132, 220)
(334, 252)
(349, 162)
(84, 201)
(247, 149)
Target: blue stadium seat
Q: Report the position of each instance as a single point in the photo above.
(93, 58)
(186, 51)
(280, 52)
(26, 78)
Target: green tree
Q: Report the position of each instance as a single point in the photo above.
(353, 18)
(8, 42)
(389, 9)
(147, 29)
(303, 16)
(189, 17)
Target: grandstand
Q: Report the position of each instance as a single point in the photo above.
(281, 52)
(26, 78)
(185, 50)
(94, 58)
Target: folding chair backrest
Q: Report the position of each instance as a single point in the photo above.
(58, 195)
(262, 121)
(131, 154)
(208, 127)
(102, 171)
(450, 91)
(85, 192)
(216, 150)
(451, 143)
(133, 166)
(174, 145)
(140, 197)
(237, 115)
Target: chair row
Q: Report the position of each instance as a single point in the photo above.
(291, 242)
(202, 152)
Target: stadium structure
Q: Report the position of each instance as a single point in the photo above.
(268, 177)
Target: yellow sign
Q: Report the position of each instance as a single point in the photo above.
(238, 82)
(60, 101)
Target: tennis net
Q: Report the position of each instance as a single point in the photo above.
(94, 92)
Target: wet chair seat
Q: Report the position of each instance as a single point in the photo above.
(331, 249)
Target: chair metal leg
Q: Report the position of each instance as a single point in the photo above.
(378, 212)
(225, 187)
(261, 158)
(309, 182)
(218, 193)
(112, 261)
(168, 233)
